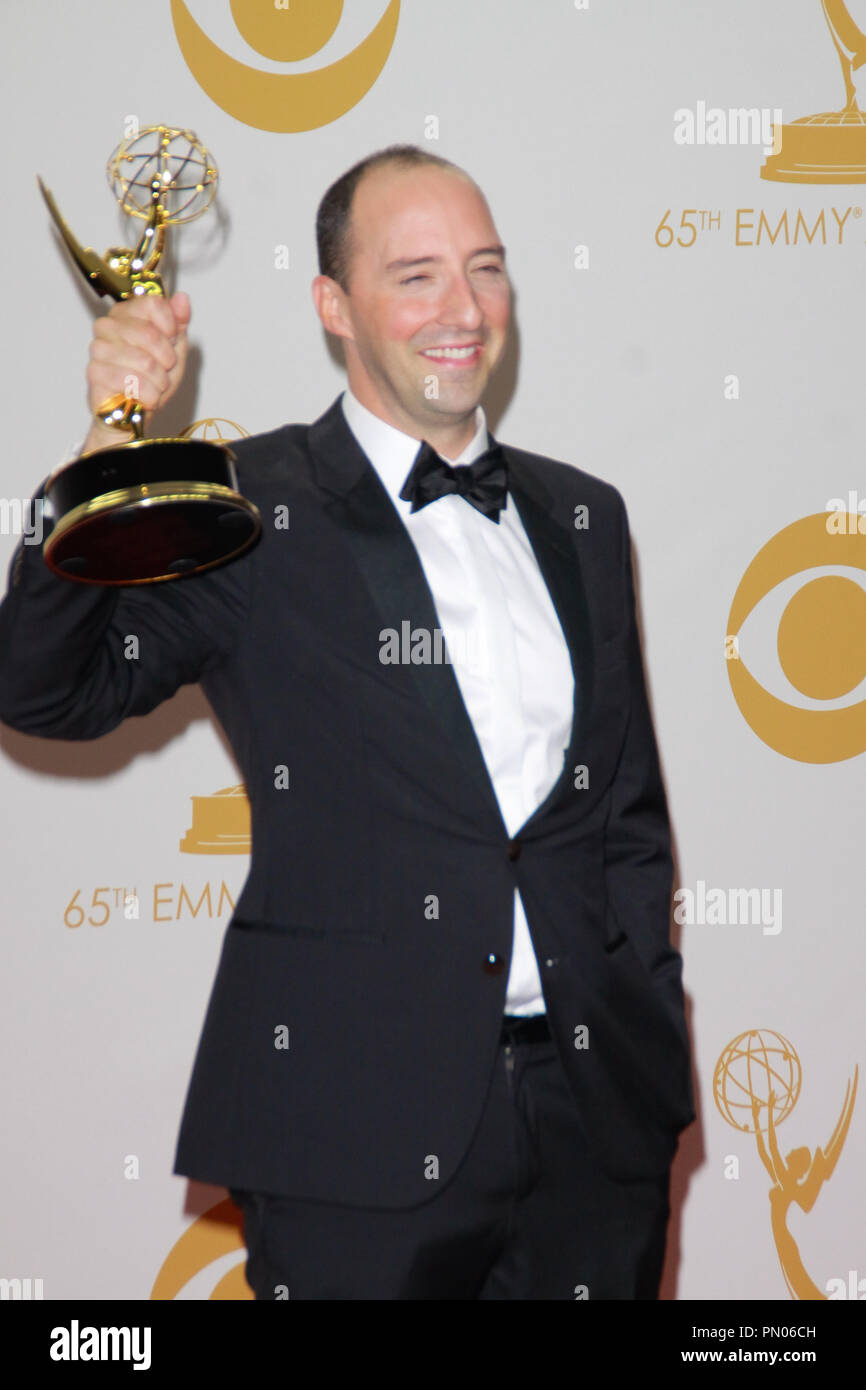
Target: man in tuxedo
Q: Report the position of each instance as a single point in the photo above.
(445, 1054)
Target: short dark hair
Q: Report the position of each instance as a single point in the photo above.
(335, 210)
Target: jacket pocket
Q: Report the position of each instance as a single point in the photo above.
(287, 931)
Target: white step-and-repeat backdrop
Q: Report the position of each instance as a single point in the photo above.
(681, 190)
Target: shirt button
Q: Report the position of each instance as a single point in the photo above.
(493, 964)
(514, 849)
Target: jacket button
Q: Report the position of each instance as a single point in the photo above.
(514, 849)
(493, 964)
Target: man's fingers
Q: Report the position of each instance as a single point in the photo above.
(134, 372)
(104, 385)
(136, 334)
(147, 308)
(181, 308)
(138, 349)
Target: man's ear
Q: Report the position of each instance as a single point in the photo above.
(330, 300)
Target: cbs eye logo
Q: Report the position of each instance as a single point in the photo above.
(806, 588)
(208, 1261)
(284, 31)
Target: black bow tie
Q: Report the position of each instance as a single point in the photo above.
(484, 482)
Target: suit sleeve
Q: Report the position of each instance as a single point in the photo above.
(638, 864)
(78, 659)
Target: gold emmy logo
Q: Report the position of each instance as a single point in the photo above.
(214, 428)
(756, 1084)
(285, 31)
(213, 1235)
(821, 642)
(829, 147)
(220, 823)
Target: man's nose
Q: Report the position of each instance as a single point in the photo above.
(460, 304)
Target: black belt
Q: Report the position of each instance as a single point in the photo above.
(532, 1029)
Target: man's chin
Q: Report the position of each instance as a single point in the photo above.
(454, 398)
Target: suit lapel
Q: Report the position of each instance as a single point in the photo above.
(359, 504)
(386, 557)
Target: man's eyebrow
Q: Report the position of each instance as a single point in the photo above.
(406, 263)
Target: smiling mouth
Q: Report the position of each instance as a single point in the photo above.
(453, 354)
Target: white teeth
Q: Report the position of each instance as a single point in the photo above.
(449, 352)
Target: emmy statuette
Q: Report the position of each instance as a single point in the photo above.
(146, 510)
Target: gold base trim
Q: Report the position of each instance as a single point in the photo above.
(150, 494)
(190, 844)
(819, 149)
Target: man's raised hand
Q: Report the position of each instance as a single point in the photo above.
(137, 350)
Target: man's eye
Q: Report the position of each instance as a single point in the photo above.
(497, 269)
(409, 280)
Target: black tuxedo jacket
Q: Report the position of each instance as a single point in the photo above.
(392, 1010)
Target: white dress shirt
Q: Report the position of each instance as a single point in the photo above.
(504, 640)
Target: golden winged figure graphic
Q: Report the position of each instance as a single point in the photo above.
(850, 44)
(798, 1178)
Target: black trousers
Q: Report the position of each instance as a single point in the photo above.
(528, 1215)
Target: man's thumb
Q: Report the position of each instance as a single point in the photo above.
(180, 307)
